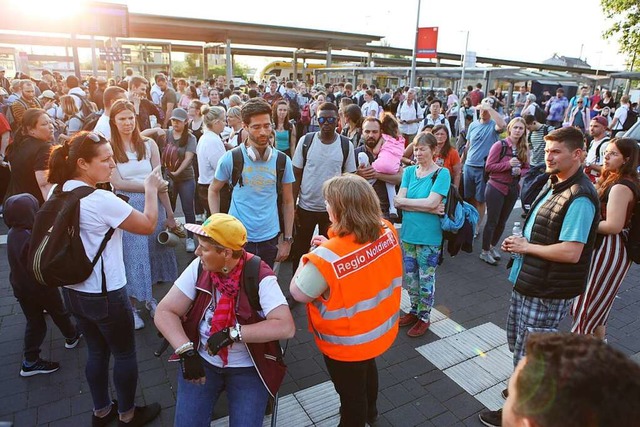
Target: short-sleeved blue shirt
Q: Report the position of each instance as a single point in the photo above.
(481, 137)
(422, 228)
(255, 203)
(575, 228)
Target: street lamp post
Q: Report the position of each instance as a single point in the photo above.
(464, 63)
(412, 81)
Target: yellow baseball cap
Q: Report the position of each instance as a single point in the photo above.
(224, 229)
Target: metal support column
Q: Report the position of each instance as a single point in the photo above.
(229, 61)
(205, 62)
(76, 58)
(328, 56)
(295, 65)
(412, 80)
(94, 60)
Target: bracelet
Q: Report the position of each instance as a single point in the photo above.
(184, 347)
(239, 328)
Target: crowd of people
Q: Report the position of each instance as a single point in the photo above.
(257, 170)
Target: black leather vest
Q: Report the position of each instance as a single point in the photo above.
(541, 278)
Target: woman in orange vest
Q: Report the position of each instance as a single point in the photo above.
(352, 324)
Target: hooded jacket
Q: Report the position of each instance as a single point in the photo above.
(19, 215)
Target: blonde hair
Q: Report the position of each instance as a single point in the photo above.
(211, 114)
(355, 207)
(521, 144)
(235, 112)
(68, 105)
(235, 101)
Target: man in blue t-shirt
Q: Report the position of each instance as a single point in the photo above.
(254, 202)
(481, 135)
(555, 250)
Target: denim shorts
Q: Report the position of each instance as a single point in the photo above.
(474, 184)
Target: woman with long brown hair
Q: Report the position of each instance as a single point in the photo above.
(146, 261)
(618, 191)
(508, 160)
(285, 133)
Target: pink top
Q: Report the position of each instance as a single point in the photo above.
(390, 156)
(500, 170)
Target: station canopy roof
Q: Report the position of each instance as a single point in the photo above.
(195, 30)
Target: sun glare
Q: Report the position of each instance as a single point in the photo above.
(48, 10)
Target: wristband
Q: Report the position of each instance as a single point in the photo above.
(184, 347)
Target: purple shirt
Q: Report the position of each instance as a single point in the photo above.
(499, 170)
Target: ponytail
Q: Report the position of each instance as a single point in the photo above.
(63, 161)
(58, 167)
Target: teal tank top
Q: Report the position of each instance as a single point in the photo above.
(282, 140)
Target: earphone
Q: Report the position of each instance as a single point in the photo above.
(254, 155)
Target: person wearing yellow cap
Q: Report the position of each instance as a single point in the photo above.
(225, 333)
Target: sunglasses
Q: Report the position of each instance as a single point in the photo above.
(96, 137)
(330, 120)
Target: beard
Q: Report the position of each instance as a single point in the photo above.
(371, 143)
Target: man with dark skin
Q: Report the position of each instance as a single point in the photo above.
(324, 160)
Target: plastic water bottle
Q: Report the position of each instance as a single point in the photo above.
(153, 121)
(515, 170)
(516, 232)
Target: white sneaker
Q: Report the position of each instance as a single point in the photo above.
(190, 245)
(151, 306)
(495, 253)
(486, 257)
(138, 323)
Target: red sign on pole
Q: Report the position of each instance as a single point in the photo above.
(427, 42)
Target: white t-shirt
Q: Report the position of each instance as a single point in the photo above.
(102, 126)
(370, 109)
(100, 211)
(209, 150)
(324, 161)
(270, 295)
(621, 115)
(408, 112)
(591, 154)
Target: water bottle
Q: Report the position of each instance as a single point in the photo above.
(516, 232)
(153, 121)
(515, 170)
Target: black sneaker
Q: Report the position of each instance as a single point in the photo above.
(491, 418)
(505, 393)
(142, 415)
(72, 342)
(40, 367)
(104, 421)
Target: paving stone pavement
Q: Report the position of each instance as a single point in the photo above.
(417, 388)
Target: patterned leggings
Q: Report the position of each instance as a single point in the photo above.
(419, 278)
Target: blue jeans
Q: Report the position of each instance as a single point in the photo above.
(186, 190)
(267, 250)
(107, 325)
(246, 393)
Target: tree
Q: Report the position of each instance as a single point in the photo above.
(192, 66)
(625, 15)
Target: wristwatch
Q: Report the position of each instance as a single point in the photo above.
(288, 239)
(234, 333)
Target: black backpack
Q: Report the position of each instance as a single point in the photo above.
(56, 255)
(90, 121)
(85, 106)
(632, 118)
(632, 241)
(539, 114)
(238, 166)
(503, 152)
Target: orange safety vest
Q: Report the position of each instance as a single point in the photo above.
(359, 320)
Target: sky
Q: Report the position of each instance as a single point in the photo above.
(506, 29)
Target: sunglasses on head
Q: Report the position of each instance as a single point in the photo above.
(330, 120)
(96, 137)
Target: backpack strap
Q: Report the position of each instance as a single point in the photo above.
(605, 139)
(80, 193)
(281, 162)
(250, 281)
(345, 150)
(503, 149)
(308, 139)
(238, 166)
